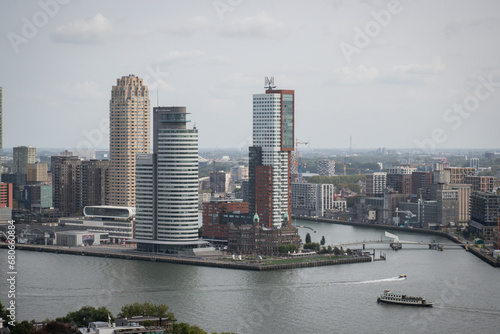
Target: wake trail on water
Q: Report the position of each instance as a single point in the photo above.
(390, 279)
(467, 309)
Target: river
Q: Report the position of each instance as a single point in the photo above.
(340, 299)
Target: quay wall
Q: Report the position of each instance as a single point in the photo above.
(131, 255)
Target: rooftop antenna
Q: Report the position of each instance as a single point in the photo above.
(269, 83)
(157, 97)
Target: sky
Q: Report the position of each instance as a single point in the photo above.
(422, 75)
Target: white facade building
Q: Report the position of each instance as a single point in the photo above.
(273, 120)
(167, 185)
(326, 167)
(312, 199)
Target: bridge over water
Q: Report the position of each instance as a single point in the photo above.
(396, 243)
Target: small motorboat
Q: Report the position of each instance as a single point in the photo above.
(402, 276)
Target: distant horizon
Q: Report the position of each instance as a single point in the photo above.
(302, 149)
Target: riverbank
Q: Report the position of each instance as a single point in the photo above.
(471, 248)
(130, 254)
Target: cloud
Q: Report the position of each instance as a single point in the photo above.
(456, 26)
(92, 31)
(180, 56)
(260, 26)
(414, 74)
(349, 75)
(191, 27)
(83, 90)
(436, 67)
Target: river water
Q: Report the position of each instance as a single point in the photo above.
(333, 299)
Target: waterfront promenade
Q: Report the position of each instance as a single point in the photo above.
(129, 253)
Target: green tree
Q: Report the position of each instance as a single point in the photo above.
(160, 310)
(185, 328)
(24, 327)
(336, 250)
(312, 245)
(86, 315)
(283, 249)
(308, 238)
(323, 241)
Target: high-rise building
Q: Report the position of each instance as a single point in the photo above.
(239, 173)
(326, 167)
(129, 135)
(37, 172)
(484, 213)
(312, 199)
(66, 183)
(474, 163)
(95, 176)
(270, 156)
(219, 181)
(458, 174)
(6, 195)
(375, 184)
(167, 185)
(23, 155)
(1, 118)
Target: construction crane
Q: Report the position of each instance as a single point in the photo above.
(296, 161)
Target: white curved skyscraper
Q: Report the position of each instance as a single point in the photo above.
(167, 185)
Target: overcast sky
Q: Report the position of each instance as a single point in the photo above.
(407, 74)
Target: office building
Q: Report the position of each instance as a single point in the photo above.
(37, 172)
(95, 177)
(484, 213)
(116, 221)
(312, 199)
(23, 155)
(326, 167)
(220, 181)
(239, 173)
(270, 156)
(458, 174)
(37, 197)
(66, 184)
(425, 213)
(218, 213)
(18, 182)
(375, 184)
(474, 163)
(400, 182)
(167, 185)
(6, 195)
(401, 170)
(464, 192)
(421, 184)
(129, 135)
(447, 207)
(481, 183)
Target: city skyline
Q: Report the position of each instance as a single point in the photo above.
(369, 69)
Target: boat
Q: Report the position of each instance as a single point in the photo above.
(402, 276)
(395, 298)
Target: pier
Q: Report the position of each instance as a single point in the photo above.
(315, 261)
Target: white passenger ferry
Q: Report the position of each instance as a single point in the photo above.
(394, 298)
